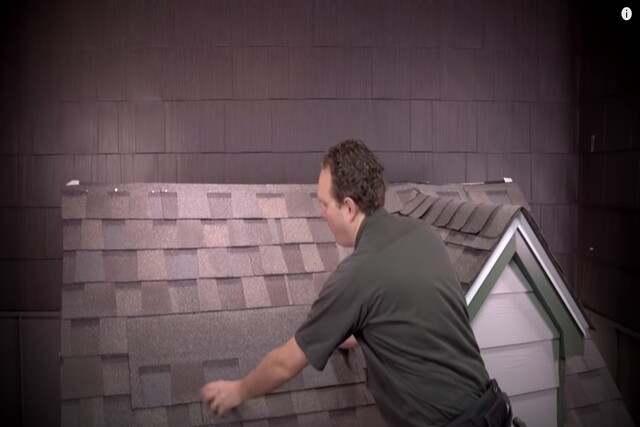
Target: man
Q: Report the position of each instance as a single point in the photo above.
(397, 296)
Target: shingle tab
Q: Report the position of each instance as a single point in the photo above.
(128, 299)
(216, 233)
(277, 289)
(182, 264)
(81, 377)
(255, 292)
(183, 295)
(240, 260)
(99, 299)
(447, 213)
(155, 384)
(179, 415)
(120, 266)
(118, 411)
(499, 220)
(419, 211)
(169, 204)
(299, 204)
(320, 231)
(116, 375)
(231, 294)
(412, 204)
(190, 233)
(245, 205)
(220, 205)
(302, 289)
(214, 262)
(392, 202)
(436, 209)
(151, 265)
(293, 258)
(89, 267)
(74, 203)
(272, 260)
(186, 380)
(272, 205)
(208, 295)
(479, 218)
(155, 298)
(91, 235)
(296, 230)
(249, 232)
(461, 216)
(311, 258)
(113, 232)
(85, 337)
(329, 256)
(279, 404)
(113, 336)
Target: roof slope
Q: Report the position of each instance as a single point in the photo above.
(167, 286)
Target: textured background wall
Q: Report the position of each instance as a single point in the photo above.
(255, 91)
(609, 194)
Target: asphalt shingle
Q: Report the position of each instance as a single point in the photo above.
(169, 204)
(216, 233)
(220, 205)
(255, 292)
(74, 203)
(181, 264)
(302, 289)
(293, 259)
(231, 294)
(300, 205)
(412, 204)
(155, 298)
(92, 237)
(186, 380)
(81, 377)
(155, 382)
(272, 260)
(190, 233)
(116, 375)
(183, 295)
(311, 258)
(277, 290)
(99, 299)
(128, 299)
(120, 266)
(208, 295)
(85, 337)
(272, 205)
(296, 230)
(479, 218)
(419, 211)
(214, 262)
(113, 234)
(151, 265)
(461, 216)
(113, 335)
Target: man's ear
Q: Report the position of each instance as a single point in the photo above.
(351, 206)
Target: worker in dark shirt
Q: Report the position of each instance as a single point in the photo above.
(398, 297)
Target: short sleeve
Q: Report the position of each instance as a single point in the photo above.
(335, 315)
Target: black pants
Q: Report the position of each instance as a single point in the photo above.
(493, 409)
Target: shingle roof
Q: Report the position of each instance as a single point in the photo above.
(166, 286)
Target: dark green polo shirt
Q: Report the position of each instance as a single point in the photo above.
(399, 295)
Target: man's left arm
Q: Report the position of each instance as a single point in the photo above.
(277, 367)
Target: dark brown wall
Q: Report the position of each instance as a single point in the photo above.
(255, 91)
(609, 197)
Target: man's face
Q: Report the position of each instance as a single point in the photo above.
(336, 216)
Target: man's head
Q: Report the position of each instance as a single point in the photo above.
(350, 187)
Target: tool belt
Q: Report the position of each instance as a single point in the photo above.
(493, 409)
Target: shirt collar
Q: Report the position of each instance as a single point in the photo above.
(369, 221)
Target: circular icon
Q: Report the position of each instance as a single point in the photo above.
(626, 13)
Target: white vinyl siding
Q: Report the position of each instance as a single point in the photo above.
(520, 347)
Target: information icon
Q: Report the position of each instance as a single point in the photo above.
(626, 13)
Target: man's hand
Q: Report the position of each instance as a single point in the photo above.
(222, 396)
(278, 366)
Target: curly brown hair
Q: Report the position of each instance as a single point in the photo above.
(355, 173)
